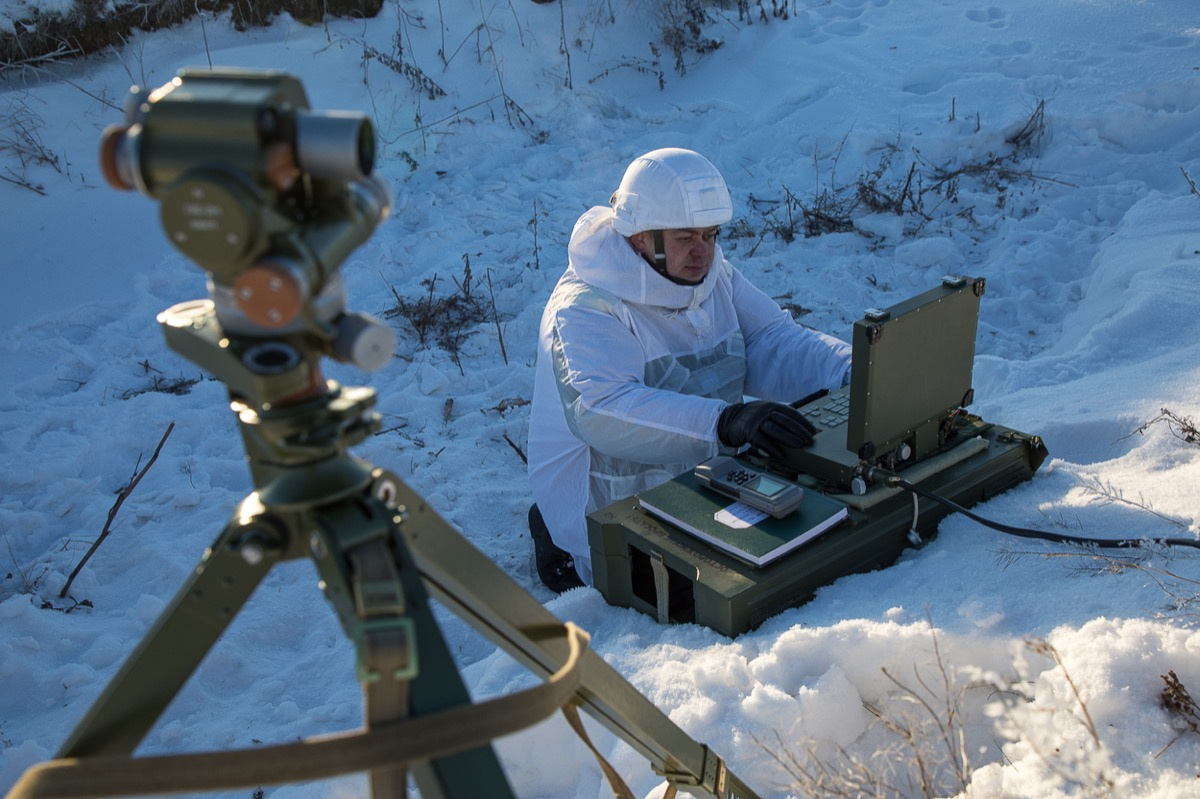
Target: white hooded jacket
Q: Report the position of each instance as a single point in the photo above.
(634, 369)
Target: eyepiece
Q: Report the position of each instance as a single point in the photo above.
(337, 145)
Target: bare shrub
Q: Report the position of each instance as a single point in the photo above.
(1182, 427)
(444, 320)
(159, 384)
(925, 746)
(21, 144)
(924, 753)
(394, 61)
(1176, 700)
(682, 29)
(916, 189)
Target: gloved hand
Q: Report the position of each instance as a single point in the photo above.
(766, 426)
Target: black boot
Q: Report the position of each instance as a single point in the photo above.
(555, 566)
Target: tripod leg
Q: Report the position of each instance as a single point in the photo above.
(404, 663)
(476, 772)
(481, 593)
(381, 701)
(172, 649)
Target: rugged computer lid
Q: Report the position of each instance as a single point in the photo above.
(912, 366)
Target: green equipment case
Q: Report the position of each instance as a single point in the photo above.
(642, 562)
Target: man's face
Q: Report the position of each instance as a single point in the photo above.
(689, 251)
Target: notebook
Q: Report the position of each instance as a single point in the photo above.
(751, 536)
(911, 370)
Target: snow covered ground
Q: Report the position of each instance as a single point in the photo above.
(1089, 238)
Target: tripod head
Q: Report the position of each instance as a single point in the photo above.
(268, 197)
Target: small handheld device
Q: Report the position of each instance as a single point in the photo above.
(746, 484)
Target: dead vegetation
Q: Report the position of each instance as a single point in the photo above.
(22, 147)
(927, 749)
(447, 320)
(684, 33)
(91, 26)
(924, 754)
(396, 62)
(122, 495)
(1185, 715)
(1182, 427)
(906, 185)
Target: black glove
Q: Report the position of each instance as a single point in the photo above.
(766, 426)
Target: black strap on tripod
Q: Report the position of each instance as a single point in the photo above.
(422, 738)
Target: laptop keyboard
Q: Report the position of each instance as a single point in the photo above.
(830, 411)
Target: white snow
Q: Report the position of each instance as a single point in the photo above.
(1088, 331)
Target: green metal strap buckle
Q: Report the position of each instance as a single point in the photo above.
(383, 644)
(378, 597)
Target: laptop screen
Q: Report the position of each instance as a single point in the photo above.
(912, 367)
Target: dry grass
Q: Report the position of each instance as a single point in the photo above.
(91, 26)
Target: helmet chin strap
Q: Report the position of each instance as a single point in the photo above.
(660, 253)
(659, 262)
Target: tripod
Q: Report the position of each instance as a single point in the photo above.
(380, 551)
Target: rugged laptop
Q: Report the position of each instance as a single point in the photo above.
(911, 373)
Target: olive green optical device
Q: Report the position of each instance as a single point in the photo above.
(269, 197)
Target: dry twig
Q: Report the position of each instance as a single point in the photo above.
(496, 318)
(516, 449)
(112, 513)
(1182, 427)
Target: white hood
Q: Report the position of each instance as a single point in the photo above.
(603, 258)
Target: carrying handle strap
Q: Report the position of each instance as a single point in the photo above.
(662, 582)
(385, 640)
(619, 788)
(428, 737)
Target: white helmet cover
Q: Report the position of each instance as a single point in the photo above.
(670, 189)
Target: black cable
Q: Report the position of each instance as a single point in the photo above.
(1025, 532)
